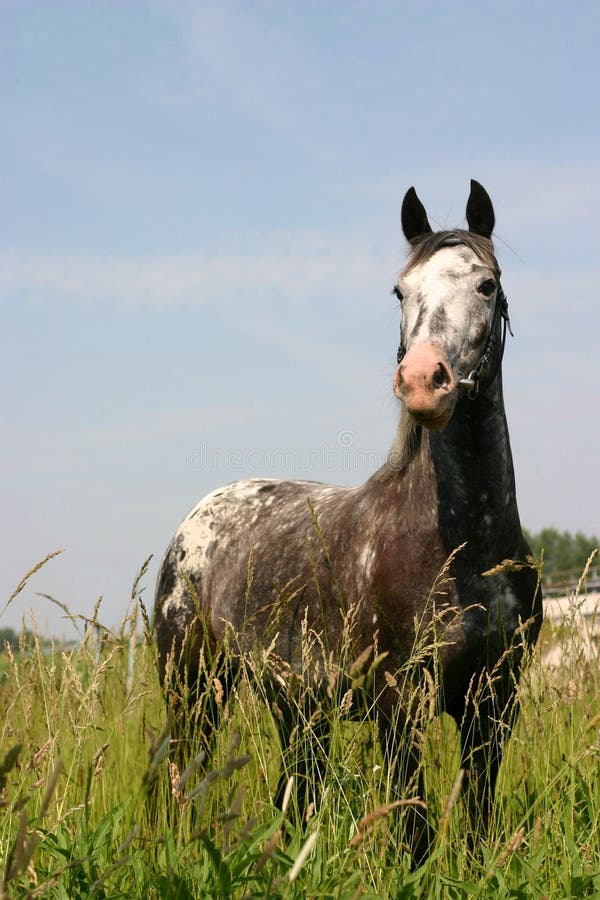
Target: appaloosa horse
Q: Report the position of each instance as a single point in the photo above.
(378, 548)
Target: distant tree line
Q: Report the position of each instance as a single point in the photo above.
(13, 638)
(562, 550)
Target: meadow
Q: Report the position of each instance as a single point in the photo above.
(93, 805)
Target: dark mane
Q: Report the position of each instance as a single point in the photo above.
(424, 248)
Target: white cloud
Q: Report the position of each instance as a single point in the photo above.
(298, 265)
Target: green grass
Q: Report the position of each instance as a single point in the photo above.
(91, 805)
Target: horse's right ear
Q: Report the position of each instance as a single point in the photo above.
(415, 223)
(480, 212)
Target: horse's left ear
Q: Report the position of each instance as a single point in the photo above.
(415, 223)
(480, 212)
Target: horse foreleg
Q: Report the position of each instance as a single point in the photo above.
(400, 745)
(484, 729)
(305, 741)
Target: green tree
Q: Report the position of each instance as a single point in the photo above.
(562, 550)
(9, 636)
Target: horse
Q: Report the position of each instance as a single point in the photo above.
(444, 501)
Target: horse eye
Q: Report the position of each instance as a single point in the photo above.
(487, 287)
(396, 290)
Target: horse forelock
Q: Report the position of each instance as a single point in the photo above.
(423, 249)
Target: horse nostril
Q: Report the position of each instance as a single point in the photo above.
(440, 376)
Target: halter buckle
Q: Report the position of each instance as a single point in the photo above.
(470, 383)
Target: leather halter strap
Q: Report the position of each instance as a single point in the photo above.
(471, 383)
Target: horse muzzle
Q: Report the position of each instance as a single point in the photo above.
(425, 383)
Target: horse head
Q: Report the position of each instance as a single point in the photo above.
(452, 303)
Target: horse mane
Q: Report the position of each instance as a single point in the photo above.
(425, 247)
(406, 445)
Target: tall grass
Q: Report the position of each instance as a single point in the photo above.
(94, 805)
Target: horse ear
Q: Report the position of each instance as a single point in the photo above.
(414, 218)
(480, 212)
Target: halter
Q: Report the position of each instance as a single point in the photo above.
(470, 384)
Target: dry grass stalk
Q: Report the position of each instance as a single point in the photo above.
(360, 661)
(583, 579)
(26, 578)
(303, 856)
(513, 844)
(346, 703)
(191, 769)
(287, 795)
(42, 752)
(367, 824)
(390, 680)
(268, 852)
(451, 799)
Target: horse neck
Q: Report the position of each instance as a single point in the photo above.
(473, 468)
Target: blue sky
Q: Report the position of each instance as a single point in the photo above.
(200, 230)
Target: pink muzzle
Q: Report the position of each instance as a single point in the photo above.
(426, 385)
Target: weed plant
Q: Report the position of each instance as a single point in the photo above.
(95, 803)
